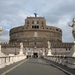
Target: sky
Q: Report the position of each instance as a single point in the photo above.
(58, 13)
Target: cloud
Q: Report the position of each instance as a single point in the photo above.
(5, 36)
(60, 15)
(57, 13)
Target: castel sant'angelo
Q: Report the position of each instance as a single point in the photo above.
(35, 33)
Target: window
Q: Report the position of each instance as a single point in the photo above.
(42, 22)
(35, 27)
(56, 29)
(60, 30)
(50, 28)
(32, 22)
(66, 49)
(27, 22)
(35, 43)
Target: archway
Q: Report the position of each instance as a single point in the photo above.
(35, 55)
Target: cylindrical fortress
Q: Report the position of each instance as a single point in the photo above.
(35, 31)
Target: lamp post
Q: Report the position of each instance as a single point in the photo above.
(5, 48)
(15, 48)
(0, 30)
(55, 49)
(0, 34)
(25, 45)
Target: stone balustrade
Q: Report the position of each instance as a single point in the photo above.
(64, 60)
(7, 60)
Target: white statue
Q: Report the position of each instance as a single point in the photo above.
(49, 44)
(21, 48)
(73, 26)
(49, 49)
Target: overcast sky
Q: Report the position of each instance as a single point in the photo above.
(56, 12)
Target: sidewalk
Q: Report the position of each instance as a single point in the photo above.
(62, 67)
(8, 67)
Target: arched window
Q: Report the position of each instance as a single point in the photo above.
(27, 22)
(60, 30)
(35, 27)
(42, 23)
(37, 22)
(56, 29)
(32, 22)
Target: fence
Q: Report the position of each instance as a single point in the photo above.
(64, 60)
(7, 60)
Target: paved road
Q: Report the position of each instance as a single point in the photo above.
(36, 67)
(8, 67)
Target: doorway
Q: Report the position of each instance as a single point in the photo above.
(35, 55)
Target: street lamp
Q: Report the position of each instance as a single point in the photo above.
(0, 30)
(55, 49)
(5, 48)
(25, 45)
(15, 47)
(0, 34)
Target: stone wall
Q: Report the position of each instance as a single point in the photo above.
(62, 49)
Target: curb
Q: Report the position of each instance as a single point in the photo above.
(13, 67)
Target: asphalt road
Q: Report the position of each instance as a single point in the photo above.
(36, 66)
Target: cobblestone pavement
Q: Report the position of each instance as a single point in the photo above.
(36, 66)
